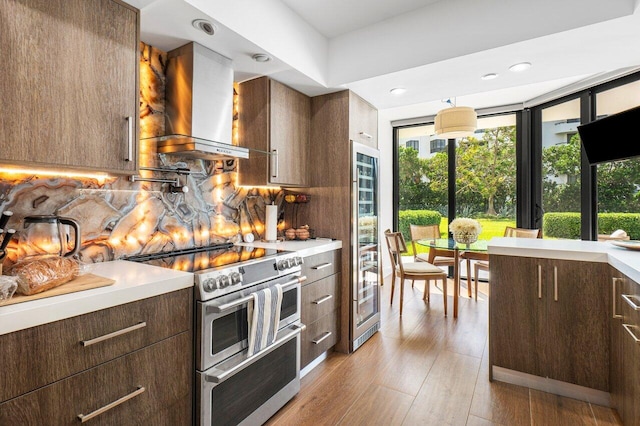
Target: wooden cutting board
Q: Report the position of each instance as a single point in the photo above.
(83, 282)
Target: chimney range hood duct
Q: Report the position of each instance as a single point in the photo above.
(199, 105)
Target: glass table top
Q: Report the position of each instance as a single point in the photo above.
(451, 244)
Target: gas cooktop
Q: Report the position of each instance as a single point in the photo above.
(225, 268)
(202, 258)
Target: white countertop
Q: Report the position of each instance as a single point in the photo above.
(133, 281)
(624, 260)
(304, 248)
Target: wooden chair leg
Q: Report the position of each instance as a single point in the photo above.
(412, 282)
(426, 293)
(469, 278)
(393, 286)
(476, 272)
(401, 295)
(444, 294)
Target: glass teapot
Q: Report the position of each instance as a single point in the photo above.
(48, 234)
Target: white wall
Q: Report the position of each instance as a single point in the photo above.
(385, 145)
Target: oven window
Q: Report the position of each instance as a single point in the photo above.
(229, 330)
(239, 396)
(289, 303)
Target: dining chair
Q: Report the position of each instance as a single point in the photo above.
(436, 256)
(424, 271)
(483, 265)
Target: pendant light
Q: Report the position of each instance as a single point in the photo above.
(456, 122)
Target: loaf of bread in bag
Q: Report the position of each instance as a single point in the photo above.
(43, 273)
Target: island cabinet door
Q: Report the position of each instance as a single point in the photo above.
(578, 299)
(630, 352)
(616, 369)
(514, 308)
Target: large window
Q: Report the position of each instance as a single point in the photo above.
(485, 170)
(486, 175)
(546, 172)
(561, 167)
(422, 175)
(618, 182)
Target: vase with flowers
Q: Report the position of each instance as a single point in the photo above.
(465, 230)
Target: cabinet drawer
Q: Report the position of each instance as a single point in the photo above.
(152, 384)
(318, 337)
(40, 355)
(321, 265)
(320, 298)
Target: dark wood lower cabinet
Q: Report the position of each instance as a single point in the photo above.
(41, 355)
(625, 350)
(318, 337)
(164, 370)
(320, 305)
(549, 318)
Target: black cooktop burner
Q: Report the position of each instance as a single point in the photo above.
(202, 258)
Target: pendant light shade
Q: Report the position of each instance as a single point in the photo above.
(456, 122)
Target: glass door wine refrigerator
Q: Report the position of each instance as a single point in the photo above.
(365, 248)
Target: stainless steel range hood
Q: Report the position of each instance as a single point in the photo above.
(199, 105)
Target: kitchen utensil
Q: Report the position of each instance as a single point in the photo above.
(4, 218)
(6, 238)
(48, 234)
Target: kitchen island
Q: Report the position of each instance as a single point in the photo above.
(554, 309)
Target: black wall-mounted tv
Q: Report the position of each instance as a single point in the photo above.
(616, 137)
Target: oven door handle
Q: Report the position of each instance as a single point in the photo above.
(222, 375)
(218, 309)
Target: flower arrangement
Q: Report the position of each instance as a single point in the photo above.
(465, 230)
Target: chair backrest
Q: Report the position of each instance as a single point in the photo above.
(396, 246)
(423, 232)
(510, 231)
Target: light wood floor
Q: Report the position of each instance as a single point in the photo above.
(425, 369)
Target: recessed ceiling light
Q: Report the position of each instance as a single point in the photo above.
(520, 66)
(489, 76)
(397, 90)
(205, 26)
(261, 57)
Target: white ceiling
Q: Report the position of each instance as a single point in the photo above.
(434, 49)
(336, 17)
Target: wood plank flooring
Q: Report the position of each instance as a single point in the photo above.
(425, 369)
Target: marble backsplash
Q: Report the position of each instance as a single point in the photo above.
(119, 218)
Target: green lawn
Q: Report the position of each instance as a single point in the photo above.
(490, 228)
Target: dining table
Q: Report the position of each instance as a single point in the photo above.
(477, 250)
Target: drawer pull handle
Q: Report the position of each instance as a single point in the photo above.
(366, 135)
(112, 335)
(274, 163)
(322, 266)
(325, 336)
(86, 417)
(613, 298)
(555, 283)
(539, 281)
(130, 130)
(628, 327)
(629, 299)
(323, 299)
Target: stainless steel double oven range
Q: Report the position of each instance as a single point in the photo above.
(233, 388)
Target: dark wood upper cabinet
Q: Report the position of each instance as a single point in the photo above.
(69, 86)
(363, 121)
(274, 122)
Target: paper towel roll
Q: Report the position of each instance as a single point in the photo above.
(271, 223)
